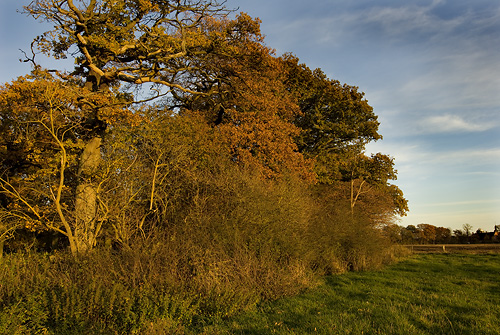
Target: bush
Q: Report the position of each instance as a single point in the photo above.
(342, 240)
(196, 237)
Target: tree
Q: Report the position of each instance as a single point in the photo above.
(186, 55)
(428, 232)
(74, 166)
(371, 174)
(115, 42)
(136, 41)
(394, 232)
(411, 234)
(8, 225)
(443, 235)
(335, 118)
(48, 156)
(467, 229)
(337, 123)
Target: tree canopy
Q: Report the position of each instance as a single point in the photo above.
(85, 153)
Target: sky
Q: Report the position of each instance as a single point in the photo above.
(429, 68)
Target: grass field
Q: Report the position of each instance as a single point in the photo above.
(426, 294)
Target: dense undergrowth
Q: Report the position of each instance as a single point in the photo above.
(167, 285)
(212, 240)
(192, 241)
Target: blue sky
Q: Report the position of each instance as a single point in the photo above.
(430, 69)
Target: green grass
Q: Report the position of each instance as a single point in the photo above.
(426, 294)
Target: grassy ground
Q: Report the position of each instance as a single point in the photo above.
(426, 294)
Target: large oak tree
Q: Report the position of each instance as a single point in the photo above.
(114, 43)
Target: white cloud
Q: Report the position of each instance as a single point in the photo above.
(415, 153)
(452, 123)
(462, 203)
(454, 161)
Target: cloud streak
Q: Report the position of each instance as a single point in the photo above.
(398, 21)
(464, 203)
(452, 123)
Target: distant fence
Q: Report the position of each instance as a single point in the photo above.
(454, 248)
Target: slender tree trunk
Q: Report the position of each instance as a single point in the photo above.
(355, 194)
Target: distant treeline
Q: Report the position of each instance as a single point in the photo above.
(429, 234)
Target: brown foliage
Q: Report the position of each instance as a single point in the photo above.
(251, 107)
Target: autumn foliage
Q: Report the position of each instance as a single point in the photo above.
(180, 137)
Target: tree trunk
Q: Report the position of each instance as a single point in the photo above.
(86, 197)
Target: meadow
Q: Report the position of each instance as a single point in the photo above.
(424, 294)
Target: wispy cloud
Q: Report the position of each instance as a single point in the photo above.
(466, 157)
(464, 203)
(403, 19)
(452, 123)
(417, 165)
(414, 152)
